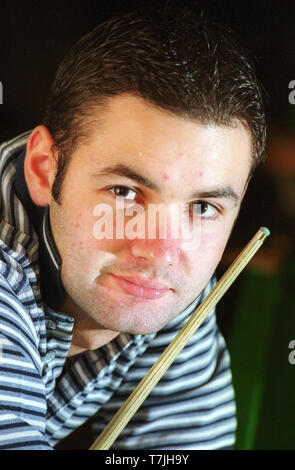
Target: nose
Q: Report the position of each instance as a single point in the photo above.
(163, 252)
(162, 242)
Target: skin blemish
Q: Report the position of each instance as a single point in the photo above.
(180, 154)
(165, 176)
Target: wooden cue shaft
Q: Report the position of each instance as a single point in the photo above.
(145, 386)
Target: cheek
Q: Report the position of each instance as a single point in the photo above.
(79, 235)
(92, 244)
(76, 234)
(79, 231)
(206, 253)
(84, 256)
(214, 244)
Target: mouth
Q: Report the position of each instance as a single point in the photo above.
(141, 287)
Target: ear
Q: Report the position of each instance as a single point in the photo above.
(40, 165)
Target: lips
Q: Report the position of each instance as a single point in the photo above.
(141, 287)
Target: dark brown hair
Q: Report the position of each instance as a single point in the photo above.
(172, 58)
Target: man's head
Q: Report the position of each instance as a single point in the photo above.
(172, 58)
(145, 110)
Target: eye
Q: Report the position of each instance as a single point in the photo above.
(124, 192)
(205, 210)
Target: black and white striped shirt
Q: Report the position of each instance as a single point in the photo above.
(41, 401)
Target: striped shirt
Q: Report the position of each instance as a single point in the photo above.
(42, 401)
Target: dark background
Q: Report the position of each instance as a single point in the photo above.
(256, 317)
(35, 35)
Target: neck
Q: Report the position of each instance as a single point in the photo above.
(84, 340)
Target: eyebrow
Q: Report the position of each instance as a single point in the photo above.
(224, 192)
(123, 170)
(218, 193)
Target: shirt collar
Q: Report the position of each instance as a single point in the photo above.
(51, 287)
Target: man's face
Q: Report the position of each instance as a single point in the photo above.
(143, 155)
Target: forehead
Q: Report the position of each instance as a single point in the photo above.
(132, 130)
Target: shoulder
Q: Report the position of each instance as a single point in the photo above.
(21, 319)
(14, 145)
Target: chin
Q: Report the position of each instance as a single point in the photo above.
(140, 329)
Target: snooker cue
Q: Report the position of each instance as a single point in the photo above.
(145, 386)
